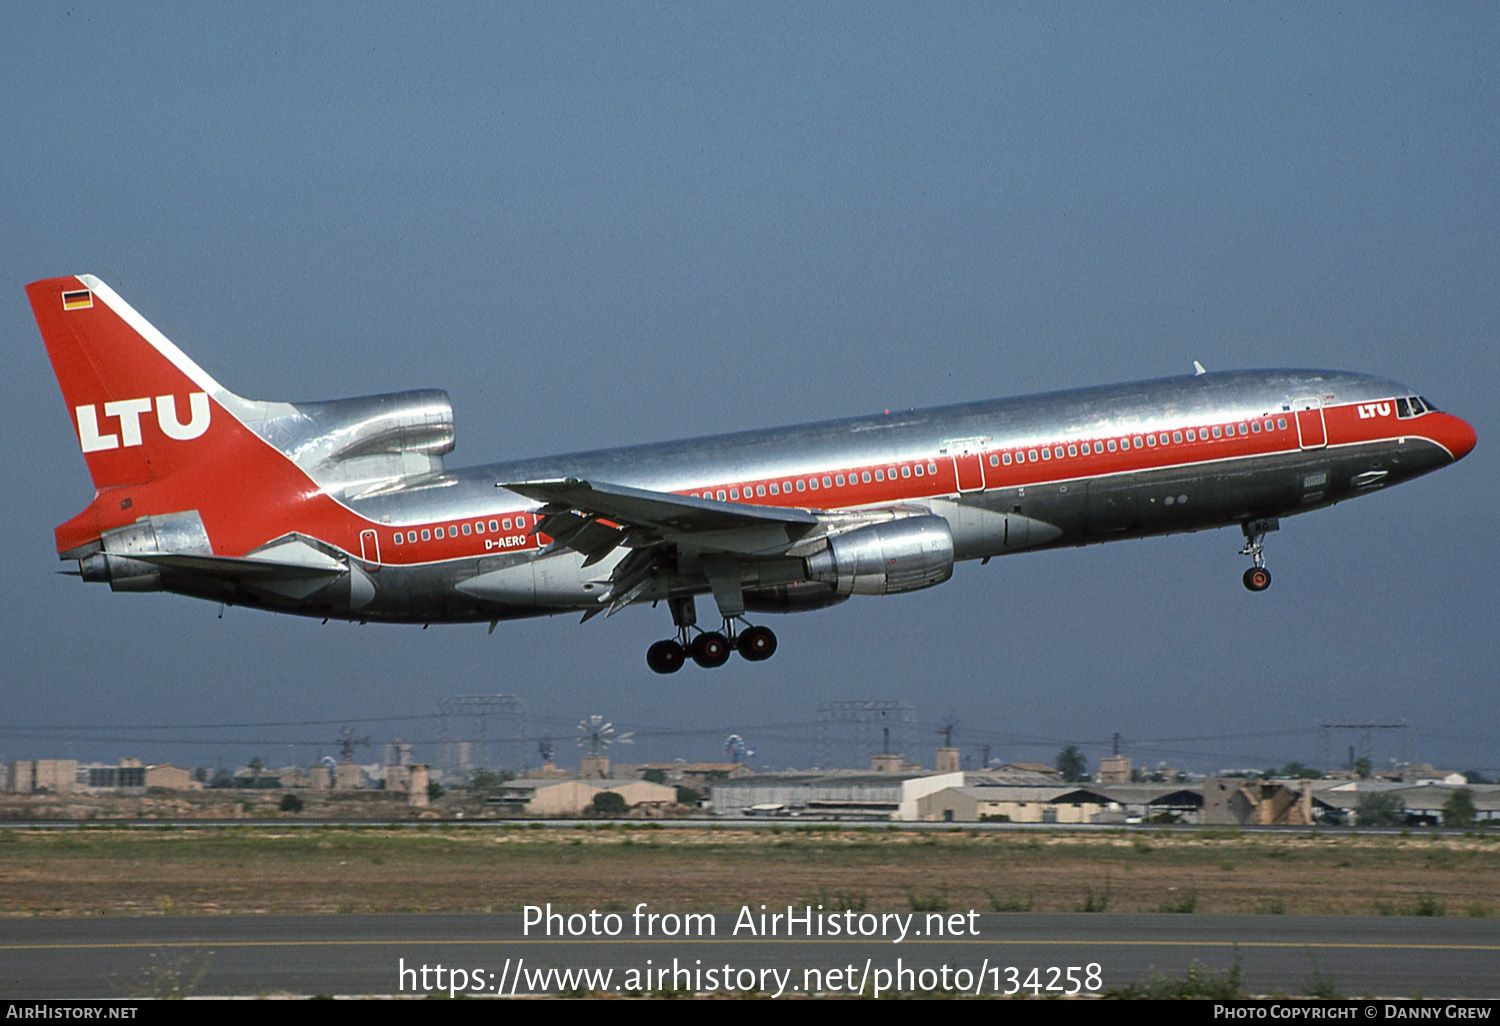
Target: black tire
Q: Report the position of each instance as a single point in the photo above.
(1257, 578)
(710, 649)
(756, 643)
(665, 656)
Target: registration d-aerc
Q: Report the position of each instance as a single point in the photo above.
(346, 508)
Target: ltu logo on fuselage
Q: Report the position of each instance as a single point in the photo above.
(1368, 410)
(128, 412)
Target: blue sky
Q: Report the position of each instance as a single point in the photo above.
(612, 223)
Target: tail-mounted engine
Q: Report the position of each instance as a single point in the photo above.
(887, 558)
(178, 533)
(355, 446)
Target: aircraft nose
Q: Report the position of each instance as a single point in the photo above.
(1457, 436)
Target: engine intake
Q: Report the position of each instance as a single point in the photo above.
(886, 559)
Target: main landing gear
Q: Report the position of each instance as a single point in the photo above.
(708, 649)
(1257, 578)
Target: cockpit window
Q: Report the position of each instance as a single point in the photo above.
(1413, 406)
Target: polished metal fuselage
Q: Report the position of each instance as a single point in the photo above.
(1066, 509)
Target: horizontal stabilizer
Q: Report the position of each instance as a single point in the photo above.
(234, 568)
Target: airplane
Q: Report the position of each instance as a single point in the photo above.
(345, 508)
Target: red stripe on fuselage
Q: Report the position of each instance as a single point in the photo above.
(287, 500)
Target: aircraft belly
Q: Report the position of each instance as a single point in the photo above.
(981, 530)
(555, 581)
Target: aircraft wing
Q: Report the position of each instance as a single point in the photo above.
(595, 518)
(661, 512)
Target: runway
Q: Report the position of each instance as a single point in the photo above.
(984, 954)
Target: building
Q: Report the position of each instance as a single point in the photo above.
(833, 795)
(54, 776)
(697, 775)
(171, 778)
(1013, 805)
(1231, 800)
(1060, 803)
(1114, 769)
(535, 796)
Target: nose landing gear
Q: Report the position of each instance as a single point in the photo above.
(1257, 578)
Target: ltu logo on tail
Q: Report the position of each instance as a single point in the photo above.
(128, 412)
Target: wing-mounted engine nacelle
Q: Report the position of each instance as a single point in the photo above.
(793, 598)
(172, 533)
(885, 559)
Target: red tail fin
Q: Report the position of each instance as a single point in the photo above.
(159, 434)
(141, 408)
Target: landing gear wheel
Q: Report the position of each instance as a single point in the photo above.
(710, 649)
(756, 643)
(1257, 578)
(665, 656)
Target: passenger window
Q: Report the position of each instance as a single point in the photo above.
(760, 490)
(520, 523)
(1072, 450)
(865, 477)
(786, 487)
(812, 483)
(426, 534)
(398, 538)
(479, 527)
(1177, 437)
(1111, 444)
(995, 460)
(906, 472)
(1007, 460)
(1244, 429)
(918, 470)
(494, 526)
(466, 528)
(1280, 423)
(1255, 426)
(827, 482)
(1191, 435)
(1031, 456)
(932, 468)
(1216, 431)
(775, 488)
(721, 495)
(1046, 454)
(1162, 438)
(1138, 442)
(452, 531)
(1151, 440)
(839, 480)
(801, 485)
(880, 475)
